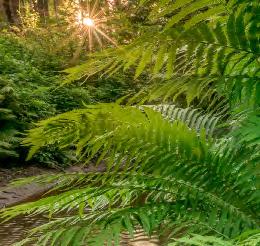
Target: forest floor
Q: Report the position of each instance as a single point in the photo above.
(17, 228)
(10, 174)
(10, 195)
(13, 195)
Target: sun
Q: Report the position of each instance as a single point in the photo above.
(91, 21)
(88, 22)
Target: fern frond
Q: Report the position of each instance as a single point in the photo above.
(247, 131)
(128, 130)
(202, 240)
(161, 169)
(67, 129)
(165, 200)
(191, 9)
(153, 166)
(212, 58)
(249, 238)
(193, 117)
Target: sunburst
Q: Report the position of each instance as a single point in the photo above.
(92, 22)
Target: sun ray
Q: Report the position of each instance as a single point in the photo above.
(100, 21)
(90, 39)
(88, 7)
(94, 9)
(79, 47)
(93, 19)
(98, 38)
(106, 36)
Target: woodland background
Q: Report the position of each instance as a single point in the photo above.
(34, 50)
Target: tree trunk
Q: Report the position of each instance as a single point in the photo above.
(11, 8)
(43, 8)
(56, 4)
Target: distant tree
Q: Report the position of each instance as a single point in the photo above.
(11, 10)
(43, 8)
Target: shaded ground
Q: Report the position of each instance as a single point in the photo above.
(16, 229)
(8, 175)
(14, 195)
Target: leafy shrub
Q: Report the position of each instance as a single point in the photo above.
(27, 95)
(31, 91)
(23, 93)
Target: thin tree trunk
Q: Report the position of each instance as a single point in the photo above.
(43, 8)
(11, 8)
(15, 9)
(55, 4)
(7, 9)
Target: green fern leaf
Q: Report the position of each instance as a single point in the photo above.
(146, 58)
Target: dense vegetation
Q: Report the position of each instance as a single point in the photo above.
(182, 154)
(30, 78)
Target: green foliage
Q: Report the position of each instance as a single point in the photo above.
(248, 238)
(220, 55)
(29, 92)
(154, 168)
(23, 95)
(192, 12)
(168, 169)
(191, 116)
(248, 131)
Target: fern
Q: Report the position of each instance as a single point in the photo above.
(191, 116)
(8, 133)
(220, 56)
(194, 11)
(167, 163)
(249, 238)
(248, 130)
(165, 171)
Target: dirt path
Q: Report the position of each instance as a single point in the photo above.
(13, 195)
(16, 229)
(10, 196)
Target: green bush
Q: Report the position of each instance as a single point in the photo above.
(28, 94)
(30, 91)
(24, 97)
